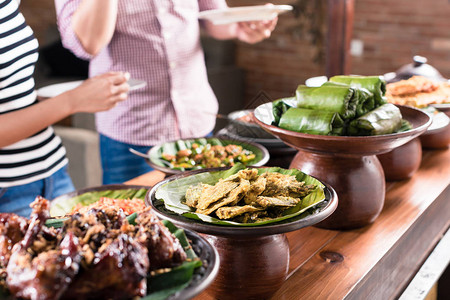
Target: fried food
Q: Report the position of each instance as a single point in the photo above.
(418, 91)
(248, 197)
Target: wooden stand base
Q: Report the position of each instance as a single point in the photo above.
(358, 181)
(250, 267)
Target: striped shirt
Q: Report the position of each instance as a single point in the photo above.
(42, 154)
(157, 41)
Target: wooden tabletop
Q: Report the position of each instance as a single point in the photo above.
(379, 260)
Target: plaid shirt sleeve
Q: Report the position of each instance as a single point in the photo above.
(64, 13)
(211, 4)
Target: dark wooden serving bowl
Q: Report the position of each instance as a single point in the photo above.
(254, 261)
(348, 163)
(438, 134)
(402, 162)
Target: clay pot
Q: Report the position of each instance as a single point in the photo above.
(402, 162)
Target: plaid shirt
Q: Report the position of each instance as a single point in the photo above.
(159, 42)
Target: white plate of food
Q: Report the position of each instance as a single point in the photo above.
(244, 13)
(56, 89)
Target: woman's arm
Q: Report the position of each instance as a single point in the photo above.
(95, 94)
(94, 22)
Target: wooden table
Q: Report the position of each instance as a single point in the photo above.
(379, 260)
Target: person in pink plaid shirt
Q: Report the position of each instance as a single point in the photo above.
(156, 41)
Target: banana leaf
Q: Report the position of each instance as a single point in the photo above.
(172, 194)
(385, 119)
(312, 121)
(279, 107)
(63, 207)
(374, 84)
(155, 155)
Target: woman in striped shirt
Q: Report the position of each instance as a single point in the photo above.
(32, 157)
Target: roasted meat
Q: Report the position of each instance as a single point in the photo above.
(44, 275)
(95, 255)
(118, 271)
(164, 249)
(12, 231)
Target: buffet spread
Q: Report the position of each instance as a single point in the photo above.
(110, 242)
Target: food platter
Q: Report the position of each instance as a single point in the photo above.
(340, 144)
(244, 13)
(154, 156)
(231, 133)
(63, 204)
(348, 163)
(315, 214)
(255, 257)
(162, 287)
(243, 125)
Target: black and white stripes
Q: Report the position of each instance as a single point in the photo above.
(42, 154)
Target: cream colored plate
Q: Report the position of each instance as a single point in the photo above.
(244, 13)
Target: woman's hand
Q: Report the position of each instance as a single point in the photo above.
(99, 93)
(254, 32)
(249, 32)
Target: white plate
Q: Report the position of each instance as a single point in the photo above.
(244, 13)
(56, 89)
(59, 88)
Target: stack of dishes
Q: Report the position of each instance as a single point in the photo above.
(243, 128)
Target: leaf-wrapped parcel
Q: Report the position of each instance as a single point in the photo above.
(374, 84)
(279, 107)
(312, 121)
(363, 99)
(338, 98)
(385, 119)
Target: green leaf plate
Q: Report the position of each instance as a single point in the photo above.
(167, 200)
(155, 160)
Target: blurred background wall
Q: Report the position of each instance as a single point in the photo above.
(386, 35)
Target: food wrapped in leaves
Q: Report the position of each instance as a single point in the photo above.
(279, 107)
(312, 121)
(374, 84)
(365, 99)
(382, 120)
(342, 99)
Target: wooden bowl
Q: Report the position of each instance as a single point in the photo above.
(348, 163)
(254, 260)
(437, 135)
(402, 162)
